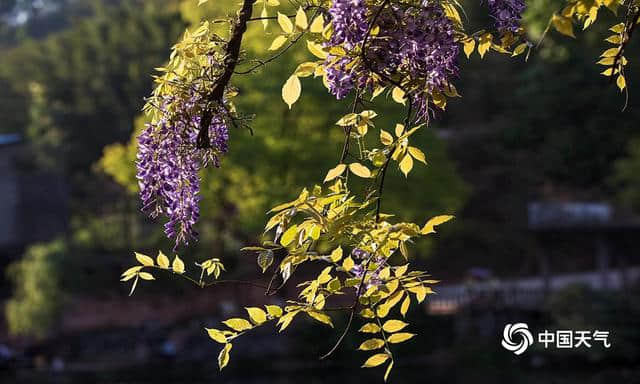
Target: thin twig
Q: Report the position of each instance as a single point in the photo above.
(347, 133)
(353, 309)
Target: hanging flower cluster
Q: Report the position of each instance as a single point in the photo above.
(350, 22)
(168, 162)
(366, 259)
(173, 148)
(412, 45)
(507, 14)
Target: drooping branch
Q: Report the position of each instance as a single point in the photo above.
(633, 16)
(232, 53)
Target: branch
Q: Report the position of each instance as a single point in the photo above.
(272, 58)
(631, 23)
(293, 42)
(232, 52)
(407, 120)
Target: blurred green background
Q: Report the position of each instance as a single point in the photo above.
(73, 77)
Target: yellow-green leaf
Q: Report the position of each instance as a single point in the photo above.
(388, 371)
(277, 43)
(611, 52)
(375, 360)
(393, 325)
(371, 344)
(367, 313)
(335, 172)
(385, 137)
(285, 320)
(274, 310)
(484, 43)
(563, 25)
(317, 25)
(617, 28)
(519, 49)
(469, 46)
(217, 335)
(265, 259)
(613, 39)
(401, 270)
(398, 96)
(359, 170)
(146, 276)
(177, 265)
(301, 19)
(606, 61)
(382, 310)
(404, 307)
(336, 255)
(429, 226)
(285, 23)
(348, 263)
(257, 315)
(621, 83)
(291, 90)
(418, 154)
(406, 164)
(316, 50)
(223, 357)
(289, 235)
(163, 260)
(264, 15)
(420, 292)
(132, 271)
(144, 259)
(305, 69)
(238, 324)
(370, 328)
(400, 337)
(129, 277)
(321, 317)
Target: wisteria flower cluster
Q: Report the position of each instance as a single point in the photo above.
(507, 14)
(413, 46)
(188, 131)
(365, 260)
(168, 162)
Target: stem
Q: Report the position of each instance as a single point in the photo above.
(272, 58)
(631, 23)
(407, 120)
(347, 133)
(353, 309)
(232, 52)
(202, 284)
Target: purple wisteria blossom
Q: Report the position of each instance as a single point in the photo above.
(414, 43)
(507, 14)
(366, 262)
(350, 25)
(168, 163)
